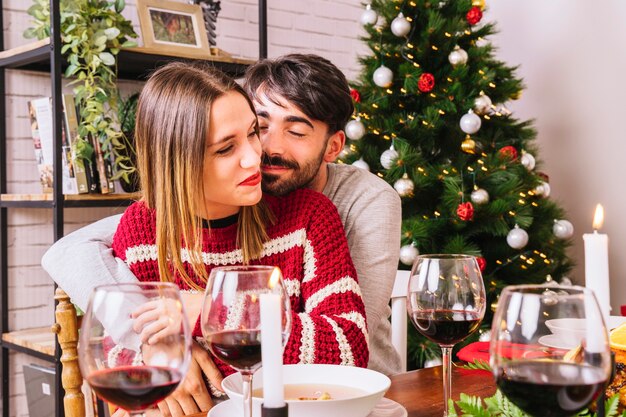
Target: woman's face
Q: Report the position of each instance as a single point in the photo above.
(232, 176)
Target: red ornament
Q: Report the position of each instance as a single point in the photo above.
(465, 211)
(426, 82)
(543, 176)
(482, 263)
(474, 15)
(508, 152)
(356, 96)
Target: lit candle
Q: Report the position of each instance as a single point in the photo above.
(597, 263)
(272, 347)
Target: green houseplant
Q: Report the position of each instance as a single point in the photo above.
(92, 33)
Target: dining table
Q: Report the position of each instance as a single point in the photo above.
(421, 391)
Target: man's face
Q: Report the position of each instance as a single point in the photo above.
(294, 146)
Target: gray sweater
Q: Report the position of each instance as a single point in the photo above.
(371, 214)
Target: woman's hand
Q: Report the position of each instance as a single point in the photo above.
(157, 319)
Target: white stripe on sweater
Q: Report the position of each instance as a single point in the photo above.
(307, 348)
(358, 319)
(343, 285)
(292, 287)
(344, 347)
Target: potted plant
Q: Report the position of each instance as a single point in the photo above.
(92, 33)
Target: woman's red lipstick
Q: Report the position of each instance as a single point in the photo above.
(252, 180)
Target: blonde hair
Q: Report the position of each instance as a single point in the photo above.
(171, 129)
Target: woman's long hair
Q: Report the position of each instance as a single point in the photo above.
(171, 130)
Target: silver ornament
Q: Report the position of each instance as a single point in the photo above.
(400, 26)
(383, 76)
(431, 363)
(388, 157)
(360, 163)
(517, 238)
(563, 229)
(457, 57)
(354, 129)
(408, 253)
(479, 196)
(470, 123)
(404, 186)
(566, 282)
(543, 190)
(369, 16)
(528, 161)
(482, 104)
(485, 336)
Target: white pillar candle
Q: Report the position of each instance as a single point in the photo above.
(272, 351)
(597, 264)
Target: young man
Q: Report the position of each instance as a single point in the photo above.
(303, 102)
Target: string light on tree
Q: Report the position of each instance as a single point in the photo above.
(563, 229)
(404, 186)
(360, 163)
(369, 16)
(470, 123)
(457, 57)
(479, 196)
(408, 253)
(383, 76)
(355, 129)
(388, 157)
(479, 3)
(400, 26)
(482, 104)
(517, 238)
(528, 161)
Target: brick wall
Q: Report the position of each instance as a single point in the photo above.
(325, 27)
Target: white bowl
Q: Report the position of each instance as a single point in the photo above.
(569, 330)
(371, 384)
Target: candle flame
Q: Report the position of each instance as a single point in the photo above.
(274, 277)
(598, 217)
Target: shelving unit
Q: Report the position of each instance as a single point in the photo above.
(45, 56)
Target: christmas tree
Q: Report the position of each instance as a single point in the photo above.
(431, 119)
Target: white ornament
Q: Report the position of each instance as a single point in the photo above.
(404, 186)
(528, 161)
(543, 190)
(354, 129)
(470, 123)
(479, 196)
(457, 57)
(360, 163)
(408, 253)
(482, 104)
(517, 238)
(563, 229)
(431, 363)
(383, 76)
(369, 16)
(485, 336)
(400, 26)
(388, 157)
(566, 282)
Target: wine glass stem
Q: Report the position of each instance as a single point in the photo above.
(446, 351)
(247, 393)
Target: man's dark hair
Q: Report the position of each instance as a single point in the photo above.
(312, 83)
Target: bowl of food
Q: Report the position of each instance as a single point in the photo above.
(570, 331)
(317, 390)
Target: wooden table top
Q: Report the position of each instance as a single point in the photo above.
(421, 391)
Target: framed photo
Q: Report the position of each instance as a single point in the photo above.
(173, 28)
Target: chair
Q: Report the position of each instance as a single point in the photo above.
(399, 314)
(66, 328)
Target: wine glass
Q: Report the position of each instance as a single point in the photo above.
(549, 348)
(231, 320)
(446, 303)
(117, 365)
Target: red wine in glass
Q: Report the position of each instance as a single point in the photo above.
(241, 349)
(551, 388)
(446, 327)
(135, 387)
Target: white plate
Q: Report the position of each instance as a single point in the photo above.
(384, 408)
(554, 341)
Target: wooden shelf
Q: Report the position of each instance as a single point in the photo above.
(133, 63)
(40, 339)
(74, 200)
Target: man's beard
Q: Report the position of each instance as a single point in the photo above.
(301, 176)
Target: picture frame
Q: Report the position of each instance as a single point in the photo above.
(173, 28)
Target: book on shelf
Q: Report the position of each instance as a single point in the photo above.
(70, 144)
(103, 167)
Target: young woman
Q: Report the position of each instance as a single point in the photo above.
(198, 155)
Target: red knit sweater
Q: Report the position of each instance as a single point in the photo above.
(308, 244)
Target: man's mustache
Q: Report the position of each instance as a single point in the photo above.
(278, 161)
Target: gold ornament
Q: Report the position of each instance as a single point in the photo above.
(468, 145)
(516, 95)
(479, 3)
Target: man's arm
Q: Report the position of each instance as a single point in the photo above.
(84, 259)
